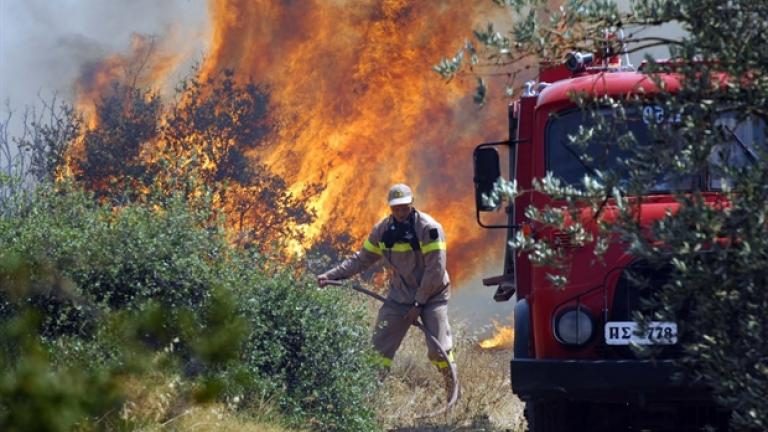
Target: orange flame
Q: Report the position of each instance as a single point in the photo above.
(148, 64)
(503, 338)
(365, 109)
(359, 106)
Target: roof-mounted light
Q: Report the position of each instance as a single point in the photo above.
(577, 61)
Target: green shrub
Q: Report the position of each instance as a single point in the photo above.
(114, 287)
(317, 344)
(36, 395)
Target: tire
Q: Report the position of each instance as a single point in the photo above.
(547, 416)
(564, 415)
(560, 416)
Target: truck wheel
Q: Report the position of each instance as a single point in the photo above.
(547, 416)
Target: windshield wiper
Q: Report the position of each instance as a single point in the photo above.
(578, 158)
(751, 156)
(595, 174)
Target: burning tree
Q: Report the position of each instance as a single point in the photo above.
(200, 145)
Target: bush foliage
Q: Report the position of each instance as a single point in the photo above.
(115, 291)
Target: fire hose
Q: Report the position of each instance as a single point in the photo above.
(454, 379)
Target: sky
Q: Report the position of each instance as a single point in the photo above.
(45, 43)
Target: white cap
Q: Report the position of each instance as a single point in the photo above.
(399, 194)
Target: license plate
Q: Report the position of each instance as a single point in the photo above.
(628, 332)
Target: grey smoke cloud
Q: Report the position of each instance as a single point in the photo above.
(45, 43)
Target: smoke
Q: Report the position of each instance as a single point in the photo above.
(45, 45)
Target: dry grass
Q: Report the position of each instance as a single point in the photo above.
(413, 387)
(156, 403)
(217, 417)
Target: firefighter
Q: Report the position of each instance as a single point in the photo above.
(413, 245)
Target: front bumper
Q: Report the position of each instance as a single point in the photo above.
(603, 380)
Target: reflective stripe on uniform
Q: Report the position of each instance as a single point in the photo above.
(370, 247)
(434, 246)
(406, 247)
(382, 361)
(442, 364)
(397, 247)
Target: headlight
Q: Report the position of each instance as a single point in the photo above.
(574, 327)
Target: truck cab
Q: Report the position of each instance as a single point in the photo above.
(572, 361)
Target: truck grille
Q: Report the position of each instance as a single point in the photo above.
(636, 284)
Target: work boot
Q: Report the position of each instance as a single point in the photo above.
(385, 365)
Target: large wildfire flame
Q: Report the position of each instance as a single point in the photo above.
(360, 107)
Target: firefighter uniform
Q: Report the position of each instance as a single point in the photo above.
(417, 276)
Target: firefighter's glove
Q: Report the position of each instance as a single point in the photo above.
(413, 314)
(322, 280)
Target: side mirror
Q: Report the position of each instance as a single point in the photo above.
(487, 172)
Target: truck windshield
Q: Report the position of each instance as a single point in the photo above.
(743, 142)
(571, 162)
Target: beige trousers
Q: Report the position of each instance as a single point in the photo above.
(391, 329)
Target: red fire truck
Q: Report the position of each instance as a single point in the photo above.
(573, 364)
